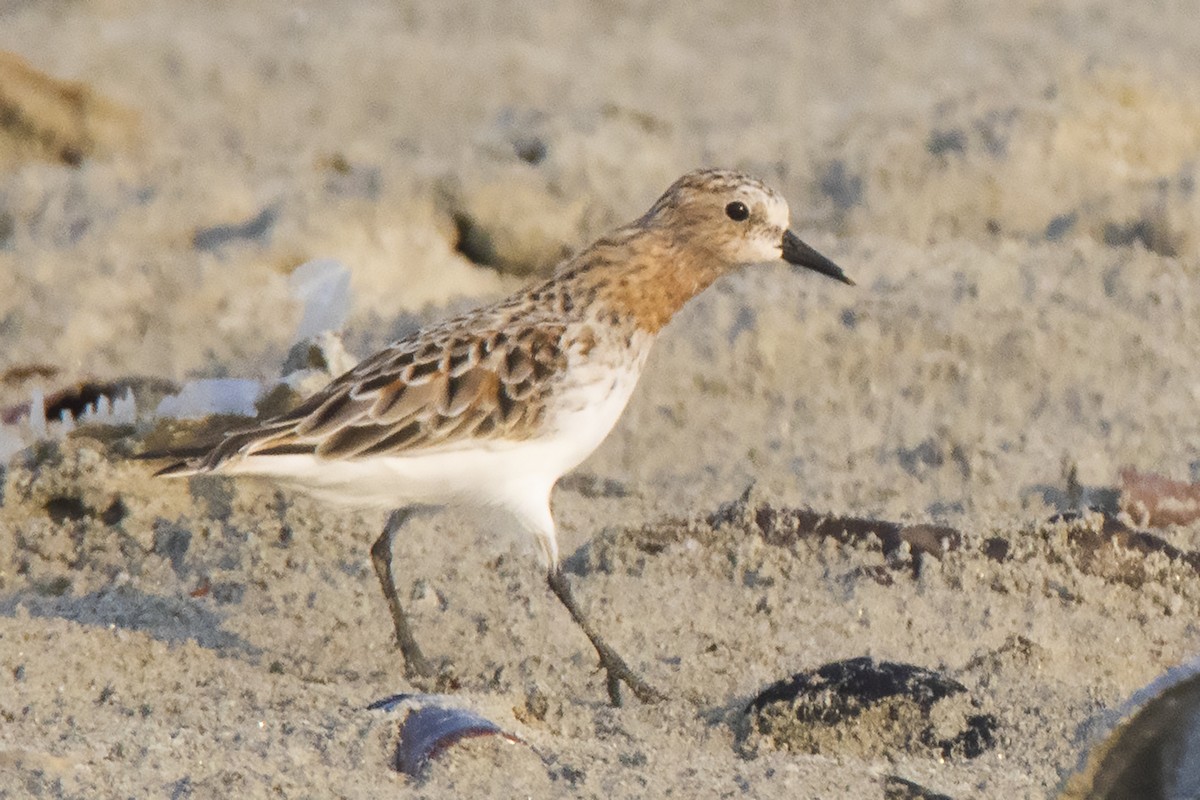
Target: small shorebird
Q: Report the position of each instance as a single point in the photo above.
(491, 408)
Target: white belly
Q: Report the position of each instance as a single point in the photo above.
(487, 473)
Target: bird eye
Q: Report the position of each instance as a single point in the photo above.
(737, 211)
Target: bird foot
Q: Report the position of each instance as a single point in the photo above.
(430, 675)
(618, 673)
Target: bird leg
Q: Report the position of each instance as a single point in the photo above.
(381, 556)
(618, 671)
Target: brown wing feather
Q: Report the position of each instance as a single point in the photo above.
(399, 401)
(463, 379)
(441, 408)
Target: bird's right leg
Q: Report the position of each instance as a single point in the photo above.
(381, 556)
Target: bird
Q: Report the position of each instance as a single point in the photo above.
(490, 408)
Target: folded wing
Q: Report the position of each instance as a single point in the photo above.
(431, 392)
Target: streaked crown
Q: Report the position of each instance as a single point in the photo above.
(734, 216)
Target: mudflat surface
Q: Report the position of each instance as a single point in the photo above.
(1012, 186)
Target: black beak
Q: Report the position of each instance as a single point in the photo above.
(798, 253)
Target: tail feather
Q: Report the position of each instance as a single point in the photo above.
(183, 460)
(193, 460)
(177, 470)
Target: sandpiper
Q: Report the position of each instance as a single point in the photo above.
(490, 408)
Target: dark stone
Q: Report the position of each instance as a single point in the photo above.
(172, 542)
(855, 684)
(66, 509)
(836, 696)
(897, 788)
(925, 454)
(1151, 233)
(115, 512)
(74, 401)
(996, 548)
(530, 149)
(220, 235)
(474, 243)
(782, 526)
(842, 187)
(941, 143)
(1060, 226)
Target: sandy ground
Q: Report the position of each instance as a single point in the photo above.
(1012, 185)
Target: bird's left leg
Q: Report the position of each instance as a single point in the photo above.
(618, 671)
(535, 515)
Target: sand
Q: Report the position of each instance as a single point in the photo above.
(1012, 186)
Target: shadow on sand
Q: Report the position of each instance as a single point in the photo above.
(168, 619)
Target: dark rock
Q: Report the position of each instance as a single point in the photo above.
(218, 236)
(172, 542)
(1060, 226)
(867, 707)
(66, 509)
(941, 143)
(1151, 232)
(842, 187)
(897, 788)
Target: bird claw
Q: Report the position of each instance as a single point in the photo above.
(432, 676)
(618, 672)
(641, 690)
